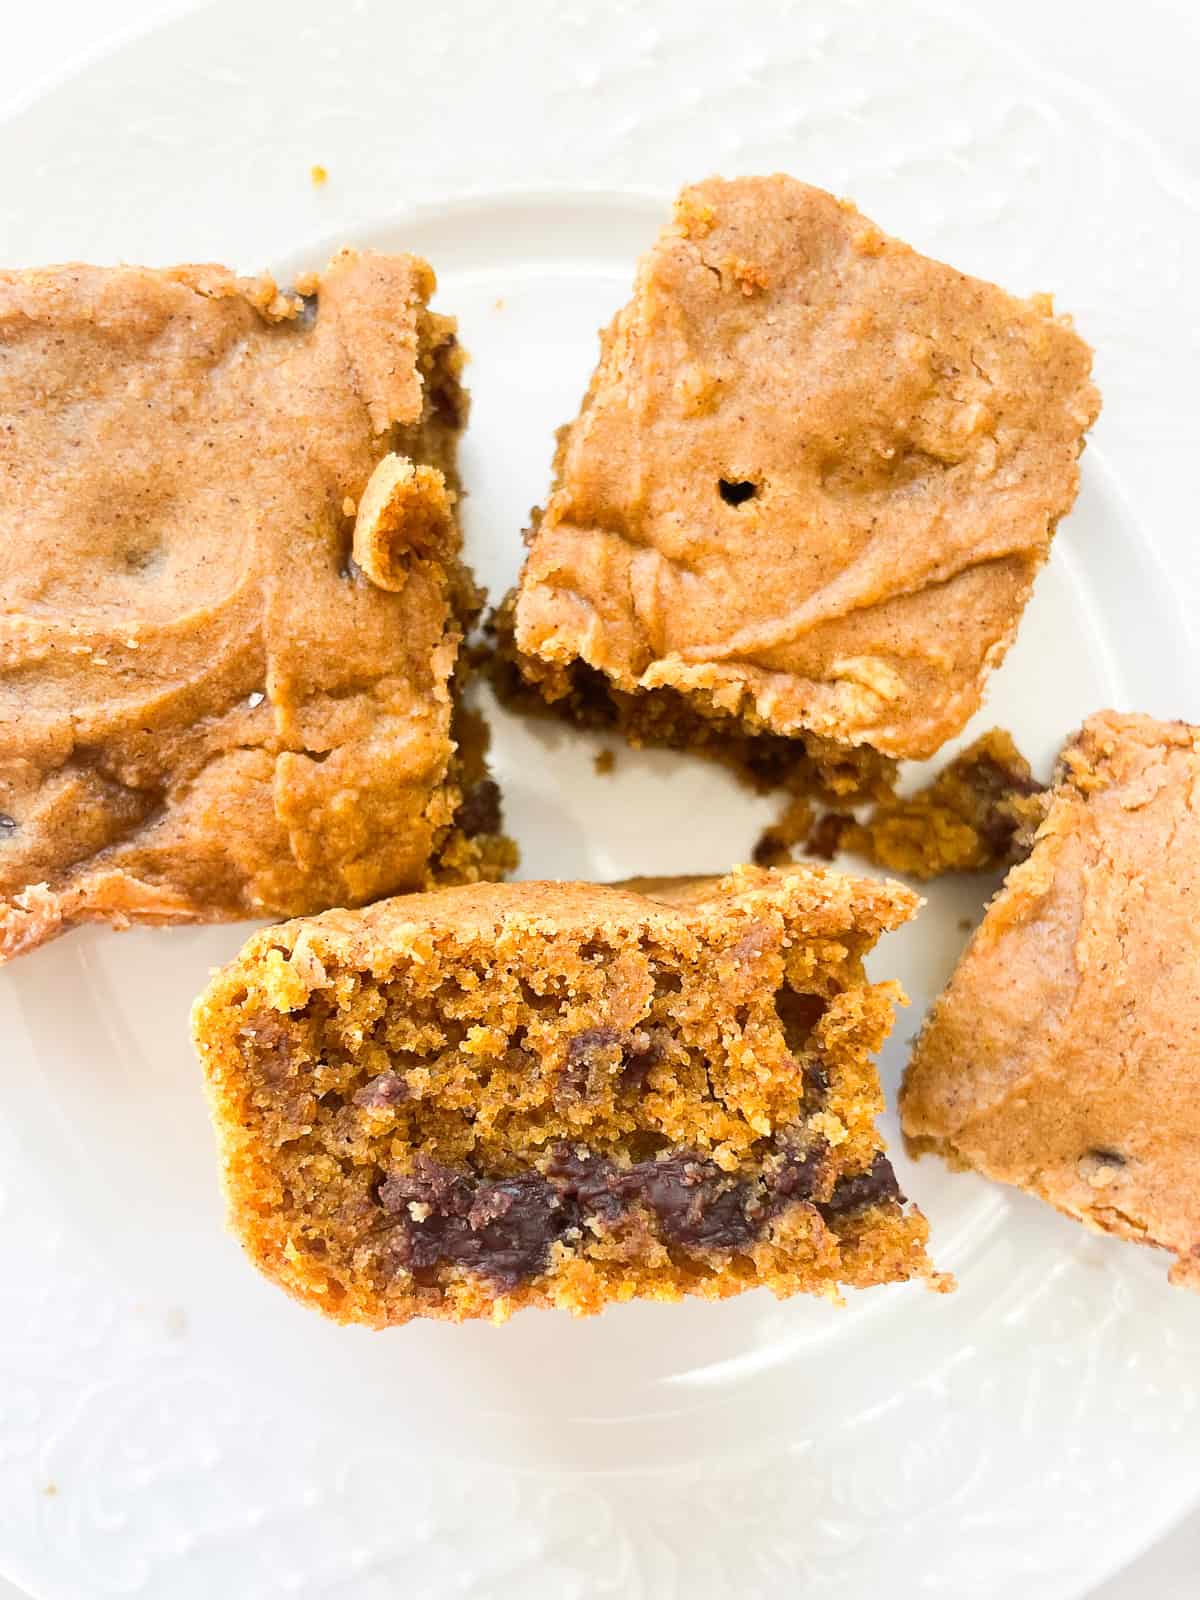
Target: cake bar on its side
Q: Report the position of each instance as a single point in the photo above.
(459, 1104)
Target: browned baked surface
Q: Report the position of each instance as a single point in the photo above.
(810, 484)
(208, 707)
(462, 1103)
(1063, 1056)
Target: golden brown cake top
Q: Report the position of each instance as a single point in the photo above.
(813, 476)
(205, 708)
(390, 934)
(1063, 1056)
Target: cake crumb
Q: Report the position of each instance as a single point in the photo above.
(694, 218)
(748, 275)
(318, 174)
(979, 814)
(604, 762)
(774, 847)
(50, 1490)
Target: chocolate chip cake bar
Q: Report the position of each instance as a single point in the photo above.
(801, 510)
(232, 597)
(463, 1103)
(1063, 1056)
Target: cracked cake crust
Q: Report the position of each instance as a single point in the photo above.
(459, 1104)
(1062, 1057)
(209, 708)
(811, 482)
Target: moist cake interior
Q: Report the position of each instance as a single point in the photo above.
(548, 1116)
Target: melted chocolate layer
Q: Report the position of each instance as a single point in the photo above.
(504, 1228)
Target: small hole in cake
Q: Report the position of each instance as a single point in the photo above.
(1100, 1167)
(7, 824)
(645, 1144)
(736, 491)
(798, 1016)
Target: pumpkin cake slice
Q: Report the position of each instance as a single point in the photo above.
(231, 597)
(1063, 1055)
(462, 1103)
(800, 512)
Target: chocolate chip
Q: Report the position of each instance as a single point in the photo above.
(995, 785)
(581, 1177)
(269, 1046)
(502, 1229)
(695, 1204)
(427, 1183)
(825, 839)
(993, 779)
(862, 1189)
(816, 1083)
(383, 1092)
(7, 824)
(644, 1050)
(479, 812)
(593, 1056)
(799, 1175)
(736, 491)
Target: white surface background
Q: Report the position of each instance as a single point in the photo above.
(1143, 60)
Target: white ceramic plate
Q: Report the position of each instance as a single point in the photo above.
(169, 1424)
